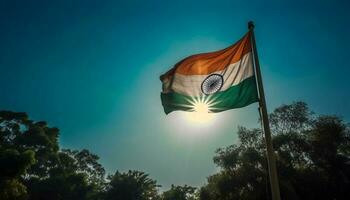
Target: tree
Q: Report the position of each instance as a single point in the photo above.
(293, 118)
(313, 161)
(179, 193)
(132, 185)
(243, 174)
(31, 165)
(13, 164)
(19, 133)
(87, 163)
(74, 180)
(329, 151)
(313, 155)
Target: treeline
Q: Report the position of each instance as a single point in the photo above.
(313, 160)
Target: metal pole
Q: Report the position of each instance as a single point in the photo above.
(275, 191)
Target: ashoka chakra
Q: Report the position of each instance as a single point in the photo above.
(212, 84)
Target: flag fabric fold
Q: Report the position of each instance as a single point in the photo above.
(224, 79)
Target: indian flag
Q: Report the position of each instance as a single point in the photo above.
(222, 80)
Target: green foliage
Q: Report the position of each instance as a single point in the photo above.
(74, 181)
(180, 193)
(132, 185)
(12, 189)
(61, 187)
(14, 163)
(19, 133)
(31, 165)
(87, 163)
(313, 159)
(293, 118)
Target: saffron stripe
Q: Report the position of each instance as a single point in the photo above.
(233, 75)
(207, 63)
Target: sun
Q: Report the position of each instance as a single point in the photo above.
(201, 107)
(200, 114)
(200, 111)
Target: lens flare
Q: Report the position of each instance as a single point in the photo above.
(201, 110)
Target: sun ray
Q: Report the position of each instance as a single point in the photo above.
(201, 109)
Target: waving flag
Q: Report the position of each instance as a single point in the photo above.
(222, 79)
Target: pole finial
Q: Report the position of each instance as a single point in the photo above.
(250, 25)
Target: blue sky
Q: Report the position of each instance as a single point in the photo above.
(92, 69)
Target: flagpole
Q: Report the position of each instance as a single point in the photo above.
(275, 191)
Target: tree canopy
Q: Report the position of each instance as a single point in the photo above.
(312, 159)
(312, 151)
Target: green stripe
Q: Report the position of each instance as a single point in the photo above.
(237, 96)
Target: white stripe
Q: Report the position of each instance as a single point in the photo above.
(234, 74)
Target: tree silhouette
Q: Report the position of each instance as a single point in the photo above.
(180, 193)
(313, 154)
(313, 161)
(32, 167)
(78, 174)
(132, 185)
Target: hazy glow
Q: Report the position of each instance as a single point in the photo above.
(200, 111)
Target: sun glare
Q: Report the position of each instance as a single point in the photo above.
(201, 107)
(200, 111)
